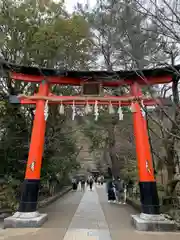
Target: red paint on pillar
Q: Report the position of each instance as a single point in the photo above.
(146, 173)
(33, 169)
(143, 151)
(148, 148)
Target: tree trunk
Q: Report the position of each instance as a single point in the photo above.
(112, 150)
(171, 141)
(170, 171)
(162, 177)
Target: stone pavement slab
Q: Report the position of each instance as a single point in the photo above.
(118, 218)
(89, 222)
(60, 214)
(87, 234)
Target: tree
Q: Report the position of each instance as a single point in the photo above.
(121, 43)
(165, 16)
(124, 37)
(45, 35)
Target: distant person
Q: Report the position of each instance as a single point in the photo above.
(119, 190)
(99, 180)
(125, 193)
(83, 184)
(95, 179)
(87, 182)
(74, 184)
(110, 191)
(130, 186)
(102, 180)
(90, 183)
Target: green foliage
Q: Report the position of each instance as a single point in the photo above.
(46, 35)
(160, 187)
(129, 170)
(14, 142)
(59, 39)
(39, 33)
(9, 192)
(125, 37)
(95, 133)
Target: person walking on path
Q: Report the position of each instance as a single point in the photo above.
(83, 184)
(99, 180)
(130, 185)
(119, 190)
(74, 184)
(91, 183)
(125, 194)
(102, 179)
(110, 191)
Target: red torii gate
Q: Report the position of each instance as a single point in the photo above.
(27, 214)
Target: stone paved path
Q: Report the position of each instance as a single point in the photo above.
(89, 222)
(86, 216)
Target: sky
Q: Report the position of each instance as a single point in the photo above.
(71, 3)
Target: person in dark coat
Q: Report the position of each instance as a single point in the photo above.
(119, 190)
(87, 182)
(110, 191)
(74, 184)
(130, 185)
(91, 183)
(83, 184)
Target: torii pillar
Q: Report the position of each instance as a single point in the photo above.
(150, 218)
(27, 215)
